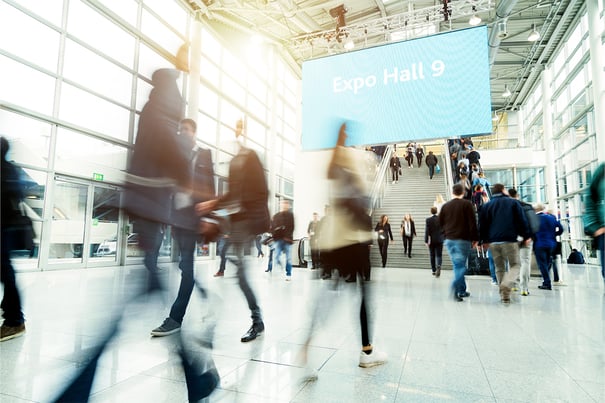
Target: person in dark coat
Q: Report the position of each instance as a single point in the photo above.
(383, 228)
(395, 167)
(431, 162)
(575, 257)
(186, 235)
(419, 155)
(282, 228)
(545, 240)
(433, 238)
(246, 204)
(12, 193)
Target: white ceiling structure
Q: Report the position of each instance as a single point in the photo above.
(305, 29)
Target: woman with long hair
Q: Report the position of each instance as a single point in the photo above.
(383, 228)
(408, 232)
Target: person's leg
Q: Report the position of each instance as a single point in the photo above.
(600, 243)
(287, 248)
(259, 248)
(270, 262)
(432, 253)
(458, 251)
(552, 262)
(224, 247)
(511, 251)
(11, 301)
(492, 266)
(279, 248)
(410, 246)
(186, 241)
(431, 171)
(542, 255)
(525, 258)
(150, 241)
(499, 261)
(405, 245)
(239, 242)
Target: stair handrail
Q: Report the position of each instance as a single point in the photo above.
(377, 188)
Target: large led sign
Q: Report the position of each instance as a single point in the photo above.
(433, 87)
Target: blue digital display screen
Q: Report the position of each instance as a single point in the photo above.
(426, 88)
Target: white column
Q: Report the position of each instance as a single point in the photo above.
(193, 88)
(549, 169)
(597, 63)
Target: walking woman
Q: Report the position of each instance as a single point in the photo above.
(384, 233)
(408, 232)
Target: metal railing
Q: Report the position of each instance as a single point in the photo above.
(377, 188)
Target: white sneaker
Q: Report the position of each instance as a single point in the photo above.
(557, 283)
(372, 359)
(288, 278)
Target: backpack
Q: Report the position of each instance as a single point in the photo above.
(532, 218)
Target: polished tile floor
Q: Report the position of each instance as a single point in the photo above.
(547, 347)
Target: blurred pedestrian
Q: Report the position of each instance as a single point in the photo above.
(594, 217)
(246, 204)
(383, 230)
(12, 195)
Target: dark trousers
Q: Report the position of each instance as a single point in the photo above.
(395, 174)
(543, 258)
(419, 159)
(600, 244)
(431, 171)
(314, 253)
(383, 245)
(407, 245)
(186, 241)
(241, 240)
(223, 246)
(436, 252)
(11, 301)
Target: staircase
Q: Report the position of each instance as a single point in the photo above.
(414, 195)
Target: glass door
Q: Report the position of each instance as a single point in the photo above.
(68, 222)
(104, 240)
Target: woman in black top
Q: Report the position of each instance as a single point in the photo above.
(384, 233)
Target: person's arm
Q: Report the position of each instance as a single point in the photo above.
(426, 230)
(390, 232)
(413, 227)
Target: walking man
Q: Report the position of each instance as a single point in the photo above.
(186, 235)
(246, 203)
(457, 220)
(282, 228)
(501, 221)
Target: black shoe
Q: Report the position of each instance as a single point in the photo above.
(544, 287)
(464, 294)
(253, 332)
(351, 279)
(458, 298)
(326, 276)
(267, 271)
(438, 271)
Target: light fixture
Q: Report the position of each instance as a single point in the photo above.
(533, 35)
(475, 19)
(501, 27)
(495, 117)
(506, 92)
(349, 44)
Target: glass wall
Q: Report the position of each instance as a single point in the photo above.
(574, 136)
(81, 121)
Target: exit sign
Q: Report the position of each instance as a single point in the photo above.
(97, 177)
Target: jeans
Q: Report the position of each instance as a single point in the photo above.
(459, 250)
(11, 301)
(431, 171)
(259, 247)
(543, 258)
(436, 252)
(186, 240)
(222, 246)
(395, 174)
(285, 247)
(502, 253)
(150, 240)
(492, 266)
(525, 258)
